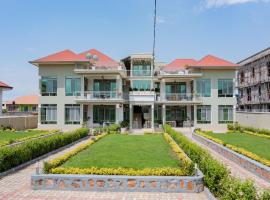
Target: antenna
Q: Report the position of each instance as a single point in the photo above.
(154, 41)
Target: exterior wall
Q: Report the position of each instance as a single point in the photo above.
(19, 122)
(254, 119)
(1, 97)
(60, 71)
(214, 100)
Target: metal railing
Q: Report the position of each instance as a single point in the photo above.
(253, 110)
(91, 95)
(180, 97)
(139, 72)
(180, 72)
(99, 68)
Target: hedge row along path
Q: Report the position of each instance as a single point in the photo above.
(235, 169)
(17, 186)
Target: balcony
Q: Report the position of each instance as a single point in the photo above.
(179, 74)
(136, 73)
(101, 96)
(180, 97)
(84, 69)
(142, 96)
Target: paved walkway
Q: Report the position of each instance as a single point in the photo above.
(17, 186)
(236, 170)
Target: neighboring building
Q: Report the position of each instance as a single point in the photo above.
(91, 88)
(3, 87)
(254, 82)
(23, 104)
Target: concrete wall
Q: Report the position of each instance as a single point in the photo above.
(20, 122)
(254, 119)
(1, 96)
(214, 100)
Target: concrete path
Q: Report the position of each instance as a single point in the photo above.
(235, 169)
(17, 186)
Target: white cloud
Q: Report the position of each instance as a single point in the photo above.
(220, 3)
(160, 20)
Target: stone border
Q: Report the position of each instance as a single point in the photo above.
(253, 166)
(118, 183)
(12, 170)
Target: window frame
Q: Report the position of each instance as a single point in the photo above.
(54, 83)
(45, 107)
(201, 87)
(72, 107)
(73, 86)
(204, 108)
(225, 121)
(225, 90)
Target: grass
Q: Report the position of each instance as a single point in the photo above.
(7, 137)
(126, 151)
(254, 144)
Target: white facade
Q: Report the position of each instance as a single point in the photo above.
(133, 92)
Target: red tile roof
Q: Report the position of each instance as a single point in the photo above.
(3, 85)
(62, 56)
(214, 61)
(179, 64)
(103, 60)
(25, 100)
(70, 56)
(207, 61)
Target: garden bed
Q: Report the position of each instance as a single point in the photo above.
(117, 162)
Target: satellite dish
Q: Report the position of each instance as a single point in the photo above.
(89, 56)
(95, 57)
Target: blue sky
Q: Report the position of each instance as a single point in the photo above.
(231, 29)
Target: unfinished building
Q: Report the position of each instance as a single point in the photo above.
(254, 82)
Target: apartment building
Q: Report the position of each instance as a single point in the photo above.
(254, 82)
(91, 88)
(3, 87)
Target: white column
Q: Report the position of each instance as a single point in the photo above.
(1, 96)
(189, 112)
(163, 114)
(153, 116)
(81, 114)
(82, 85)
(119, 113)
(162, 89)
(119, 85)
(195, 116)
(90, 115)
(130, 116)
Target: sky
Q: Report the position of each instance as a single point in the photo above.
(30, 29)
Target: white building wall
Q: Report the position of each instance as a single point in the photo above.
(214, 100)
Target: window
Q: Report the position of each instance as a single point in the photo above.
(104, 85)
(48, 86)
(204, 114)
(253, 72)
(204, 87)
(48, 114)
(179, 87)
(72, 114)
(225, 88)
(73, 86)
(141, 70)
(141, 84)
(104, 113)
(225, 114)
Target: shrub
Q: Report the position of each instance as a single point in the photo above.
(113, 128)
(12, 157)
(124, 124)
(216, 175)
(237, 127)
(121, 171)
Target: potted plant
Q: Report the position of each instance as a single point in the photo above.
(124, 125)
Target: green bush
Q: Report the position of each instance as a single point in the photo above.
(12, 157)
(237, 127)
(216, 175)
(124, 124)
(113, 128)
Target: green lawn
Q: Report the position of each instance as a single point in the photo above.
(254, 144)
(126, 151)
(7, 136)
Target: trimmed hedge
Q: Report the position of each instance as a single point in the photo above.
(13, 156)
(166, 171)
(216, 176)
(237, 127)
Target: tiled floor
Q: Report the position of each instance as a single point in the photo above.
(17, 186)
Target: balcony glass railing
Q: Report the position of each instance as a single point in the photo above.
(101, 95)
(139, 72)
(180, 97)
